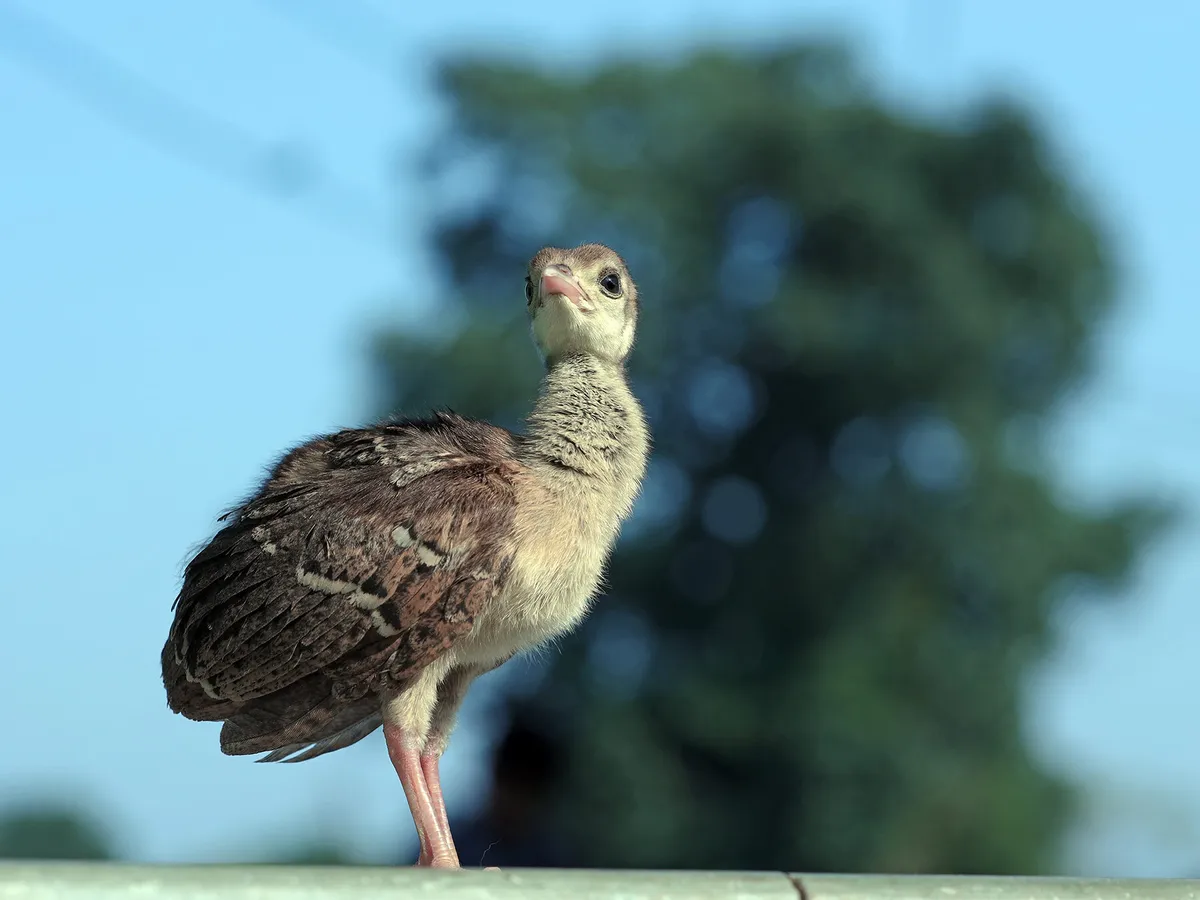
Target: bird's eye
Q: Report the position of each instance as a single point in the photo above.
(528, 290)
(611, 284)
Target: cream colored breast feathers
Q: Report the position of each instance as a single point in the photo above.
(567, 523)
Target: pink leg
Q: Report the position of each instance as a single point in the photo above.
(429, 767)
(437, 849)
(433, 781)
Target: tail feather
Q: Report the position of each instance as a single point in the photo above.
(282, 753)
(344, 738)
(305, 715)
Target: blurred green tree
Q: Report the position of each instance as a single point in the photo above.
(316, 851)
(48, 830)
(856, 324)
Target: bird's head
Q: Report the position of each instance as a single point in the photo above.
(581, 301)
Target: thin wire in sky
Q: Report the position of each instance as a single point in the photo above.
(179, 128)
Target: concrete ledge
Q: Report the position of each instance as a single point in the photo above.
(92, 881)
(964, 887)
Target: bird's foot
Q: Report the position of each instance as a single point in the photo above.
(424, 862)
(432, 859)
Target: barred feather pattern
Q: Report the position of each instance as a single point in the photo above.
(363, 557)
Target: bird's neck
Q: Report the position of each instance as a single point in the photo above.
(588, 421)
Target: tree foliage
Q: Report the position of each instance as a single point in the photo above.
(48, 830)
(856, 323)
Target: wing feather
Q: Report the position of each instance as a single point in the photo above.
(361, 560)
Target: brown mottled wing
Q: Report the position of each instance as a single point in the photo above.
(362, 559)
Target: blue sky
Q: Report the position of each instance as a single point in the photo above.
(167, 330)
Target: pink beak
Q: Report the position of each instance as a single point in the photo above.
(554, 282)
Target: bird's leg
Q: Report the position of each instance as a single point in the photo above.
(436, 849)
(433, 781)
(450, 697)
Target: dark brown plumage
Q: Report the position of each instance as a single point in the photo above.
(378, 571)
(255, 641)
